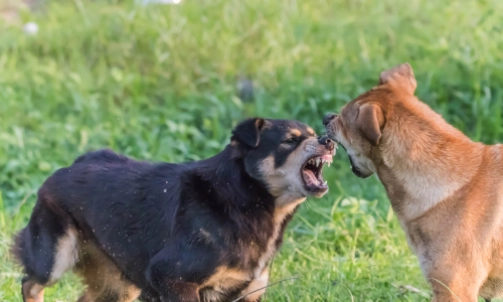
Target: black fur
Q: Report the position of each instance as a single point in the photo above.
(248, 132)
(168, 227)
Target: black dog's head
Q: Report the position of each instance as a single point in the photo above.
(285, 155)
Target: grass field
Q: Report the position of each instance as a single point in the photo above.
(159, 83)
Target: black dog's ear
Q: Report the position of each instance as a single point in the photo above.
(248, 132)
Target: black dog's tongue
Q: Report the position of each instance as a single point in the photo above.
(310, 178)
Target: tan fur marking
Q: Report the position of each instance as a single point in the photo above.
(103, 278)
(66, 255)
(280, 213)
(33, 292)
(222, 280)
(64, 260)
(257, 287)
(295, 132)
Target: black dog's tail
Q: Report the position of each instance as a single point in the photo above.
(15, 248)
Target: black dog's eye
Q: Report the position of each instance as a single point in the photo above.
(290, 140)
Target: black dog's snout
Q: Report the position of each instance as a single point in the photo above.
(325, 140)
(328, 118)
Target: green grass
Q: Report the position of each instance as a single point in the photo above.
(159, 83)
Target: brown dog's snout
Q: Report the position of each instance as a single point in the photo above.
(328, 118)
(325, 140)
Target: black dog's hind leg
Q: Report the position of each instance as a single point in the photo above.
(46, 248)
(31, 291)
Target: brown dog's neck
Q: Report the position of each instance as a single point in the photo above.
(424, 160)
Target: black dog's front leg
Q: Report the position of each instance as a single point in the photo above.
(176, 272)
(169, 289)
(180, 291)
(149, 296)
(175, 292)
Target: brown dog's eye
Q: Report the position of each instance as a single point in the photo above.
(290, 140)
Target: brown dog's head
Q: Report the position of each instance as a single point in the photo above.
(361, 126)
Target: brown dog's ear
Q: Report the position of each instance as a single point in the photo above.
(400, 76)
(370, 121)
(248, 132)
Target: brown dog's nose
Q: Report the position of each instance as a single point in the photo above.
(325, 140)
(328, 118)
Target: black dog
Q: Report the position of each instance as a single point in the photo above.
(199, 231)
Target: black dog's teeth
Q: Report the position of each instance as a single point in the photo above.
(315, 161)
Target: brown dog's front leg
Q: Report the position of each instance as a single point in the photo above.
(449, 292)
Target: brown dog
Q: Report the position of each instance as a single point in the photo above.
(446, 190)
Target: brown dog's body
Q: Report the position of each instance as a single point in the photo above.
(446, 190)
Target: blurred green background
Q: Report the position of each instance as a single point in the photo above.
(161, 82)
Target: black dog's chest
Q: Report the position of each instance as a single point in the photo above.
(229, 283)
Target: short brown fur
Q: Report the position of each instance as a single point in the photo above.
(446, 190)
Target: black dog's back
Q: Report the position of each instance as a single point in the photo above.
(102, 156)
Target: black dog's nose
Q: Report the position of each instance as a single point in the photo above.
(328, 118)
(325, 140)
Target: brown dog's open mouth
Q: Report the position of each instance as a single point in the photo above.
(312, 173)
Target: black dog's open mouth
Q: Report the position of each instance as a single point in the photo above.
(312, 173)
